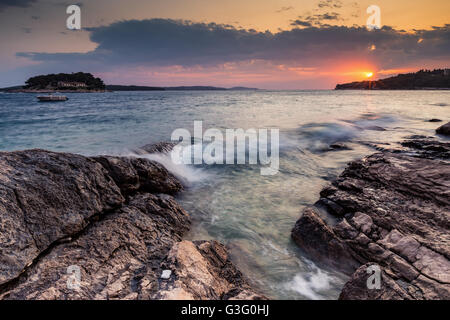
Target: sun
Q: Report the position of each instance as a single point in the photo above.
(369, 74)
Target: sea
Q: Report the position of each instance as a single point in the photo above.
(252, 214)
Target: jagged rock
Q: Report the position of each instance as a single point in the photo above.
(320, 242)
(108, 220)
(339, 146)
(356, 288)
(132, 174)
(45, 197)
(118, 256)
(428, 148)
(445, 129)
(394, 210)
(160, 147)
(202, 270)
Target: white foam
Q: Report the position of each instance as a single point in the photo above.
(186, 173)
(310, 284)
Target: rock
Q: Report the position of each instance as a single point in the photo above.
(435, 120)
(394, 209)
(319, 241)
(160, 147)
(73, 227)
(202, 270)
(428, 148)
(357, 289)
(117, 256)
(339, 146)
(444, 130)
(45, 197)
(362, 222)
(133, 174)
(375, 128)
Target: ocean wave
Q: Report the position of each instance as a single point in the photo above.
(188, 174)
(311, 284)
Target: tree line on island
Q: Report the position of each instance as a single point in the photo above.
(65, 81)
(423, 79)
(85, 82)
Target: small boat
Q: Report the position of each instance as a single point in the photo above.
(52, 98)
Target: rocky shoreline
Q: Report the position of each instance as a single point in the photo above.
(390, 209)
(75, 227)
(115, 221)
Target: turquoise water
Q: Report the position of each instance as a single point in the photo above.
(252, 214)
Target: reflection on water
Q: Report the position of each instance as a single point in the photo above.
(252, 214)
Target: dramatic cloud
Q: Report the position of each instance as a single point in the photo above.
(163, 42)
(330, 4)
(15, 3)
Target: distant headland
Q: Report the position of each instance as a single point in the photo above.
(437, 79)
(86, 82)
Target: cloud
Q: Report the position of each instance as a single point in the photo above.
(318, 19)
(165, 42)
(330, 4)
(283, 9)
(301, 23)
(15, 3)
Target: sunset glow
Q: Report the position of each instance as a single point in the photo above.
(295, 45)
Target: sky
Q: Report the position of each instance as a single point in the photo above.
(270, 44)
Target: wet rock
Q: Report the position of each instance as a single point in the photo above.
(45, 197)
(321, 243)
(399, 204)
(357, 289)
(73, 227)
(133, 174)
(160, 147)
(375, 128)
(202, 270)
(117, 256)
(428, 148)
(444, 130)
(339, 146)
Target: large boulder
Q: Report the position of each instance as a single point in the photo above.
(45, 197)
(392, 210)
(203, 270)
(74, 227)
(118, 257)
(133, 174)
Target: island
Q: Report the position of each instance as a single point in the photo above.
(67, 82)
(85, 82)
(437, 79)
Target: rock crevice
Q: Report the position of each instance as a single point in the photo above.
(111, 220)
(392, 210)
